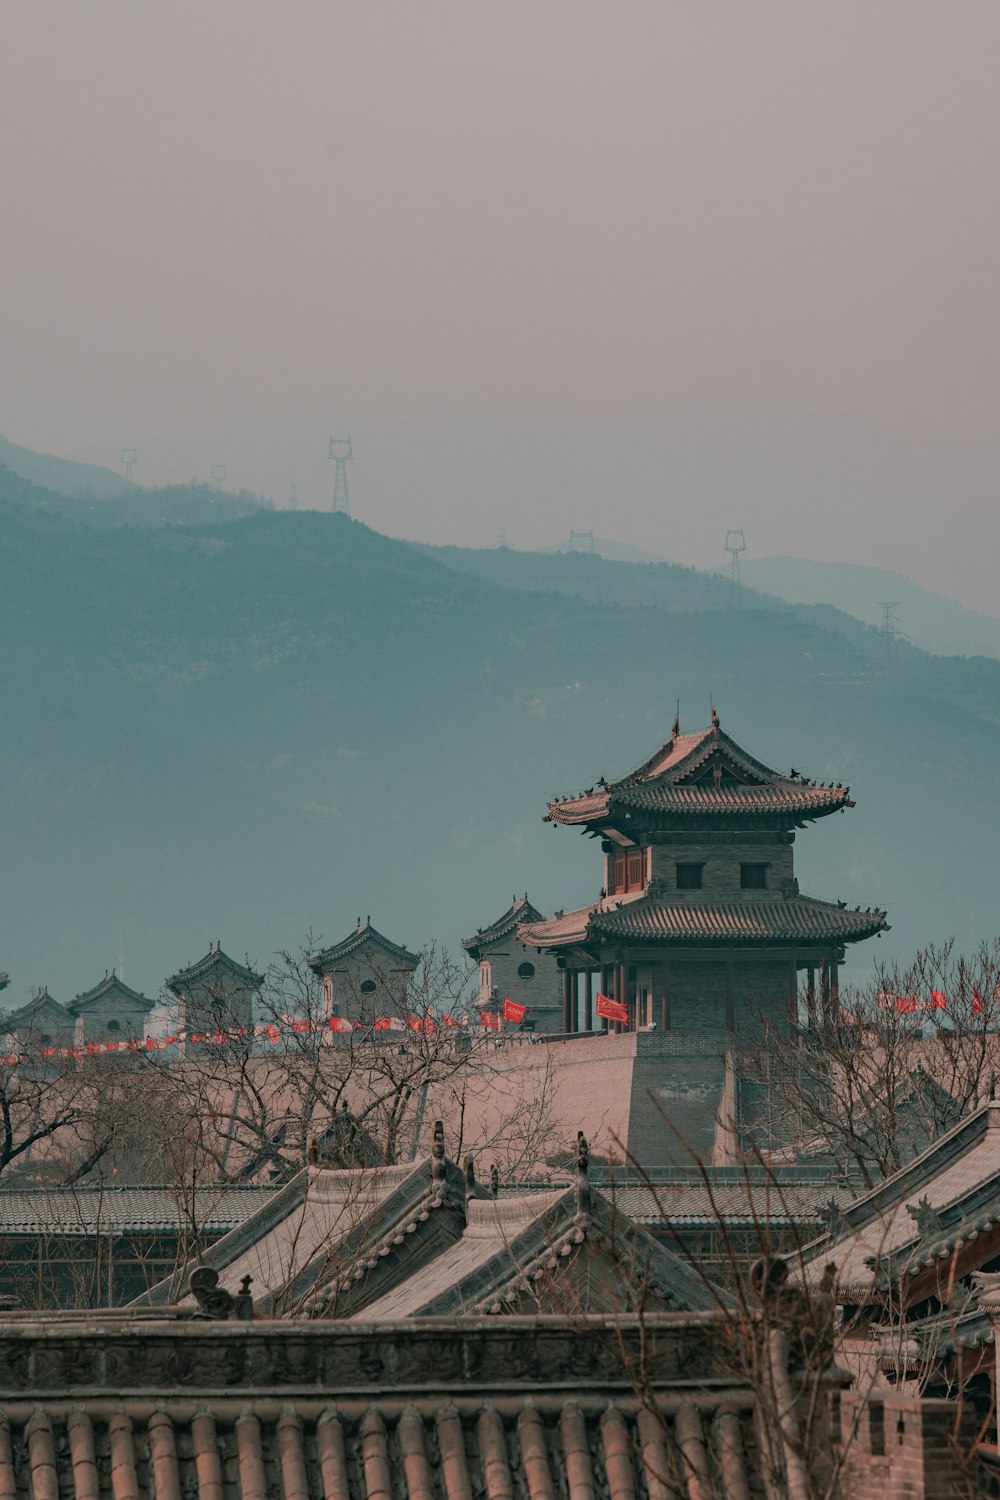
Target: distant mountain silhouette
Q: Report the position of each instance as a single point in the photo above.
(930, 620)
(244, 729)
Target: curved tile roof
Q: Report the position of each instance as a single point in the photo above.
(729, 782)
(363, 933)
(656, 919)
(520, 910)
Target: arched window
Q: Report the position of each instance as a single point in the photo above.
(114, 1025)
(368, 987)
(525, 971)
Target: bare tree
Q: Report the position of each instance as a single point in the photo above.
(869, 1083)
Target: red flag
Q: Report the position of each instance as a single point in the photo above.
(939, 1001)
(611, 1010)
(977, 1001)
(490, 1019)
(338, 1023)
(513, 1010)
(448, 1021)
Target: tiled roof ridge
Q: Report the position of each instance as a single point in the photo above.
(234, 1244)
(425, 1189)
(109, 982)
(677, 759)
(544, 1243)
(214, 958)
(653, 915)
(364, 933)
(32, 1006)
(904, 1184)
(520, 910)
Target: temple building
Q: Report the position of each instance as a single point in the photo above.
(215, 993)
(365, 975)
(700, 922)
(110, 1010)
(505, 970)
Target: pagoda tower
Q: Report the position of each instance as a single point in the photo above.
(700, 921)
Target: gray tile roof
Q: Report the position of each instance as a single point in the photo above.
(124, 1210)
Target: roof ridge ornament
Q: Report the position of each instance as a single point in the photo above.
(582, 1179)
(438, 1170)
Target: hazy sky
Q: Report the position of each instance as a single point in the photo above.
(657, 268)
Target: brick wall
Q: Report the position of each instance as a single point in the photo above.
(542, 990)
(906, 1448)
(92, 1024)
(367, 966)
(722, 860)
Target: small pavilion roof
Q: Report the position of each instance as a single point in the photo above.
(519, 911)
(215, 960)
(705, 773)
(42, 1004)
(362, 934)
(656, 918)
(110, 986)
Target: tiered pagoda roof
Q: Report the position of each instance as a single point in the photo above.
(519, 912)
(362, 934)
(657, 917)
(699, 775)
(214, 962)
(110, 987)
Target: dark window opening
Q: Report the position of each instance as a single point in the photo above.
(368, 987)
(114, 1025)
(753, 877)
(525, 971)
(689, 877)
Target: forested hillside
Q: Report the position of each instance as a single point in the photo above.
(245, 729)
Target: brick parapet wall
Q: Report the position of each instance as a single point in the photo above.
(906, 1448)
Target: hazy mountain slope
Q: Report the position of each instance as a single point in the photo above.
(64, 475)
(167, 505)
(245, 731)
(930, 620)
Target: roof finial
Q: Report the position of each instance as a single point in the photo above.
(715, 716)
(437, 1152)
(676, 726)
(582, 1165)
(470, 1173)
(494, 1180)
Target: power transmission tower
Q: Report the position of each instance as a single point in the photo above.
(219, 475)
(736, 545)
(129, 460)
(891, 637)
(581, 536)
(502, 541)
(340, 452)
(293, 498)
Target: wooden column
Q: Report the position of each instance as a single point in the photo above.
(730, 1002)
(793, 991)
(824, 988)
(588, 1000)
(811, 994)
(621, 988)
(567, 980)
(834, 987)
(664, 978)
(605, 990)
